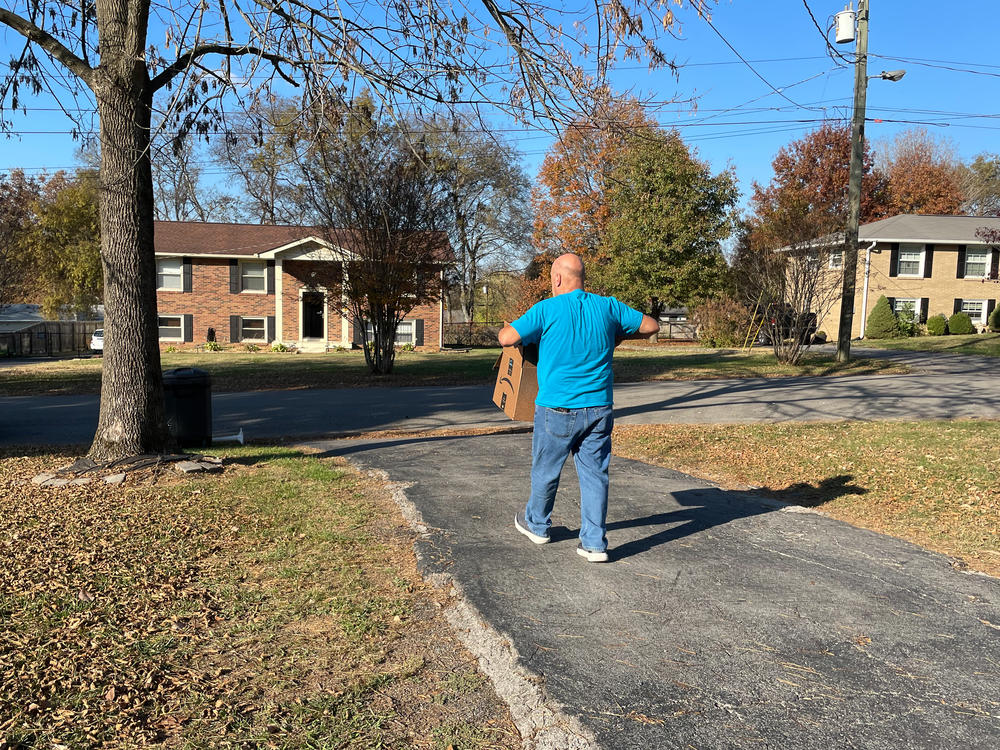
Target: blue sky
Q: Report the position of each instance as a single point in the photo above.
(951, 88)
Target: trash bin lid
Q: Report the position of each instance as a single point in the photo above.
(185, 375)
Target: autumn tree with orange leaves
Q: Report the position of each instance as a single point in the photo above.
(571, 213)
(924, 175)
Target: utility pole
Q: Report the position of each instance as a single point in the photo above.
(854, 188)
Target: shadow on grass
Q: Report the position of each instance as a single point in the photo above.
(263, 457)
(814, 495)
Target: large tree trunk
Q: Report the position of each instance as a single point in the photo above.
(132, 416)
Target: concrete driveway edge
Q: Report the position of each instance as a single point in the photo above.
(541, 721)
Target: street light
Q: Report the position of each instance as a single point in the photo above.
(890, 75)
(845, 21)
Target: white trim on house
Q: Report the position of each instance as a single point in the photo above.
(309, 248)
(262, 339)
(179, 274)
(911, 247)
(987, 260)
(179, 326)
(263, 276)
(981, 320)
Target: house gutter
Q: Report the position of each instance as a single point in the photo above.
(864, 294)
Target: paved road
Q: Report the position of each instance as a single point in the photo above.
(942, 388)
(721, 622)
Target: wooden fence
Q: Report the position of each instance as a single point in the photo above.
(49, 339)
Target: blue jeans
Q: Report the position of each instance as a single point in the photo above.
(586, 433)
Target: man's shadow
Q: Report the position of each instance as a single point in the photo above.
(703, 508)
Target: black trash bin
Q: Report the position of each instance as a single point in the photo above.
(187, 397)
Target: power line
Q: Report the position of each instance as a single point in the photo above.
(745, 62)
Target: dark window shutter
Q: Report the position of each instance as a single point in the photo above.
(270, 277)
(186, 274)
(187, 327)
(234, 276)
(892, 304)
(960, 273)
(958, 306)
(894, 259)
(418, 332)
(994, 263)
(928, 260)
(269, 326)
(990, 307)
(356, 340)
(234, 329)
(925, 304)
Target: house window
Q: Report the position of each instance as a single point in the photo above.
(171, 327)
(253, 276)
(906, 309)
(836, 259)
(975, 309)
(405, 333)
(252, 329)
(168, 274)
(976, 263)
(911, 260)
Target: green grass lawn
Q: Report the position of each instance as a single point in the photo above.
(275, 605)
(984, 344)
(237, 370)
(932, 483)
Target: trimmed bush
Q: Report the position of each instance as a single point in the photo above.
(960, 323)
(994, 320)
(937, 325)
(882, 321)
(721, 323)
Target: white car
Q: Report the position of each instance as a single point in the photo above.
(97, 341)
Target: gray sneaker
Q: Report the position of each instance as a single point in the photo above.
(521, 525)
(592, 555)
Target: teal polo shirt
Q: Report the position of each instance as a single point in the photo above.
(576, 334)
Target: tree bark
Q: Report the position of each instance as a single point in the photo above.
(131, 419)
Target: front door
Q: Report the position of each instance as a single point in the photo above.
(312, 315)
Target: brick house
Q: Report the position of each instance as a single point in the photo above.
(927, 264)
(257, 284)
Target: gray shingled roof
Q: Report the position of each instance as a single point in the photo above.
(945, 230)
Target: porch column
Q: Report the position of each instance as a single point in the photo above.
(279, 301)
(345, 332)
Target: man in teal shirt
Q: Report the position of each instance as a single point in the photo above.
(576, 333)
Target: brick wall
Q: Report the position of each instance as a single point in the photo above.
(210, 304)
(209, 301)
(941, 289)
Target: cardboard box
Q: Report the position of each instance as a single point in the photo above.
(517, 382)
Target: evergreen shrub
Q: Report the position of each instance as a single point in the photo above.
(882, 321)
(937, 325)
(960, 323)
(994, 320)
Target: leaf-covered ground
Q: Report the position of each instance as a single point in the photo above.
(933, 483)
(277, 605)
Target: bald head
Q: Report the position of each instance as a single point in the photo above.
(567, 274)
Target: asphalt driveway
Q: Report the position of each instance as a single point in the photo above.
(722, 621)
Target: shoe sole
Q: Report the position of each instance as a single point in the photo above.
(530, 534)
(594, 557)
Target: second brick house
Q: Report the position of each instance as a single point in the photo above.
(926, 264)
(260, 284)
